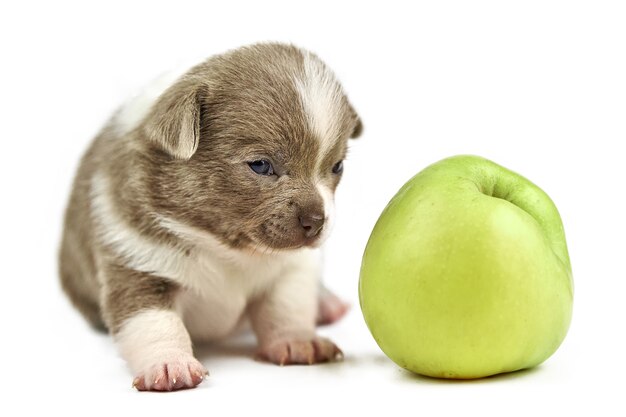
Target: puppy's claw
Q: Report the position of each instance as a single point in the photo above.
(303, 352)
(171, 376)
(198, 376)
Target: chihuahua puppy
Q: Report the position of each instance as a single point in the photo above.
(202, 205)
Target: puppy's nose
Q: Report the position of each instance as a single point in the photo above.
(312, 223)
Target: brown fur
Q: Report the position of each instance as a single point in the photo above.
(131, 291)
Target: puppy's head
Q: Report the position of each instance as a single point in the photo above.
(249, 146)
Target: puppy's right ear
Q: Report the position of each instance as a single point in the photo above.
(174, 121)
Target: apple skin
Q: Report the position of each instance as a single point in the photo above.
(466, 273)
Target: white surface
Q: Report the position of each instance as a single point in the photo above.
(538, 87)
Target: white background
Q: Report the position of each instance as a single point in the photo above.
(537, 86)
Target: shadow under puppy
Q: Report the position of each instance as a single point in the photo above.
(202, 204)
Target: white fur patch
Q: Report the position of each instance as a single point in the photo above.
(329, 210)
(321, 97)
(139, 252)
(153, 337)
(131, 114)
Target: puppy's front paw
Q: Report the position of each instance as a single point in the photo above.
(298, 351)
(170, 375)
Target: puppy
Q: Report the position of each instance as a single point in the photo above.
(202, 204)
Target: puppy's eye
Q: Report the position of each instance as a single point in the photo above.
(262, 167)
(338, 168)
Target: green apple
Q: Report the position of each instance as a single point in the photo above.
(466, 273)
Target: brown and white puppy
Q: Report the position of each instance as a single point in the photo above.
(202, 204)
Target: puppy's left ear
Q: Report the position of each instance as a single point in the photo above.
(358, 129)
(173, 123)
(358, 125)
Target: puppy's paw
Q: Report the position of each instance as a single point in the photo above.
(302, 352)
(330, 308)
(169, 375)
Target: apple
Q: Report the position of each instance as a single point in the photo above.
(466, 273)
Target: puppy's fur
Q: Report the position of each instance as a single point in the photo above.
(170, 236)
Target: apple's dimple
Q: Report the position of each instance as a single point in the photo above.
(466, 273)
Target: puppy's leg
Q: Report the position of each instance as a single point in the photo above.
(149, 332)
(330, 307)
(284, 322)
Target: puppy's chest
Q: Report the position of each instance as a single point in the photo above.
(216, 291)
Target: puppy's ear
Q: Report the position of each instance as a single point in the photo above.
(358, 129)
(358, 125)
(174, 121)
